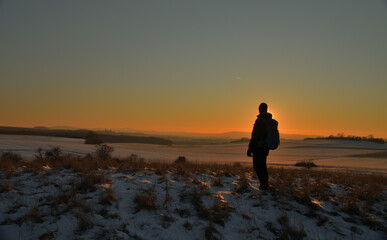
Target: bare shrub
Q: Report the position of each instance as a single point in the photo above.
(39, 154)
(104, 151)
(54, 154)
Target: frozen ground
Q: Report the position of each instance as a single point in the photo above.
(327, 153)
(54, 204)
(149, 203)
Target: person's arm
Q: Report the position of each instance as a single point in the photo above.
(254, 138)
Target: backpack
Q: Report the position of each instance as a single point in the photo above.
(272, 139)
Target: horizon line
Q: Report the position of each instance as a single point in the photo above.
(130, 130)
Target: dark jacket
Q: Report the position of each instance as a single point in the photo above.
(259, 133)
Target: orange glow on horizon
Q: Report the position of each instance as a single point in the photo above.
(206, 130)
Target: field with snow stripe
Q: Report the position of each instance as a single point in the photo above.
(329, 153)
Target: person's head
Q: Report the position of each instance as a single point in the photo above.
(262, 108)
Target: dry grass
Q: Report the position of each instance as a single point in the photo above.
(211, 233)
(288, 232)
(84, 222)
(108, 197)
(220, 212)
(362, 191)
(242, 184)
(367, 187)
(33, 214)
(10, 162)
(167, 195)
(90, 179)
(146, 199)
(4, 186)
(217, 182)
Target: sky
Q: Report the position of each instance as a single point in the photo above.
(195, 66)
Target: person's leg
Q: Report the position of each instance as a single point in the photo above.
(264, 173)
(259, 162)
(257, 166)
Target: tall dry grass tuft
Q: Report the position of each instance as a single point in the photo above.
(242, 184)
(4, 186)
(217, 182)
(10, 162)
(167, 194)
(146, 199)
(211, 233)
(290, 233)
(89, 179)
(220, 211)
(84, 222)
(282, 181)
(108, 197)
(33, 214)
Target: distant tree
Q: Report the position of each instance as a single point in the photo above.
(92, 138)
(340, 135)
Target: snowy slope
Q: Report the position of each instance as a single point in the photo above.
(57, 204)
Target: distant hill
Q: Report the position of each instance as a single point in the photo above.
(139, 136)
(351, 138)
(81, 134)
(225, 136)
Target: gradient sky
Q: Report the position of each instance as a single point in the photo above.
(195, 66)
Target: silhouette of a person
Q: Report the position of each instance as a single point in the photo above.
(257, 147)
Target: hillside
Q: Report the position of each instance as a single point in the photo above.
(81, 134)
(103, 198)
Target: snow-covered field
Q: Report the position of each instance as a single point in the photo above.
(145, 204)
(328, 153)
(145, 201)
